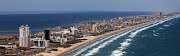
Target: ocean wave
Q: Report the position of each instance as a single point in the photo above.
(166, 25)
(155, 35)
(126, 43)
(160, 28)
(142, 36)
(111, 38)
(84, 49)
(95, 50)
(107, 42)
(154, 31)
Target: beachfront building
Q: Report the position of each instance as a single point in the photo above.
(61, 37)
(74, 30)
(24, 36)
(47, 33)
(40, 43)
(70, 38)
(94, 28)
(56, 36)
(66, 31)
(9, 46)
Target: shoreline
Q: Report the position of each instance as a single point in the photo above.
(105, 34)
(36, 30)
(89, 39)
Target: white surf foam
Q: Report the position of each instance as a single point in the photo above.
(126, 43)
(155, 35)
(83, 49)
(166, 25)
(95, 50)
(160, 28)
(142, 36)
(123, 46)
(126, 32)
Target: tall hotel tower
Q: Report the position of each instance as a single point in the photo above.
(24, 39)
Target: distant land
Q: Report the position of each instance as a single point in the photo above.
(54, 12)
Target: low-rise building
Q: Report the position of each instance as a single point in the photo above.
(39, 43)
(9, 46)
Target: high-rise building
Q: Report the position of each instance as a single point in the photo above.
(160, 14)
(24, 36)
(47, 33)
(74, 30)
(94, 28)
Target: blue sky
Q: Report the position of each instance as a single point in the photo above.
(89, 5)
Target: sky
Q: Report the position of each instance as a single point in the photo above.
(90, 5)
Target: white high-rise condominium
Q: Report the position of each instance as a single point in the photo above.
(24, 36)
(74, 30)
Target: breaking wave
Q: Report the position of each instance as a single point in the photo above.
(116, 36)
(110, 38)
(96, 43)
(95, 50)
(126, 43)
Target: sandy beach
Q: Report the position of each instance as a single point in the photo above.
(89, 38)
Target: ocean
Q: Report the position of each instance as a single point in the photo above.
(38, 21)
(159, 38)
